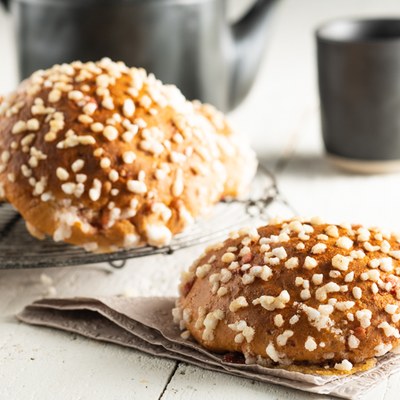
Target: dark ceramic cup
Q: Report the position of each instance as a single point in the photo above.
(359, 86)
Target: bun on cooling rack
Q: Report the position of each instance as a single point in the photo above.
(298, 294)
(107, 157)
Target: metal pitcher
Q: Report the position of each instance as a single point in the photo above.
(189, 43)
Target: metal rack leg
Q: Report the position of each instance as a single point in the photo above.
(118, 264)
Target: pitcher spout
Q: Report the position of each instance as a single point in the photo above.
(249, 35)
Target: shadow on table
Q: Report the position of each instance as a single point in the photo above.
(305, 165)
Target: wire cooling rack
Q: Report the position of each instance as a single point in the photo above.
(18, 249)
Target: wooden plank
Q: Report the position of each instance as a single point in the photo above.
(195, 383)
(316, 187)
(86, 369)
(39, 363)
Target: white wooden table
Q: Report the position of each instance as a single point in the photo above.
(281, 117)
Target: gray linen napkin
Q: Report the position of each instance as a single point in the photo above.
(145, 324)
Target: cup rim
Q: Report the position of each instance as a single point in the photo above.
(323, 35)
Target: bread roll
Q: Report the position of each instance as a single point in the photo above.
(107, 157)
(298, 294)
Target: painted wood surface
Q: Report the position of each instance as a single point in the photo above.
(281, 118)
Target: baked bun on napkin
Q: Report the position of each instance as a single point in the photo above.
(107, 157)
(297, 294)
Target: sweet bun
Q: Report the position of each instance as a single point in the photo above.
(298, 294)
(107, 157)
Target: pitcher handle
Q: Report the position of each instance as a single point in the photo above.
(6, 4)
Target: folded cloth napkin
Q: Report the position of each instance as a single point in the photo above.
(145, 324)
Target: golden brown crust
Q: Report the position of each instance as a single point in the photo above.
(334, 302)
(327, 371)
(105, 156)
